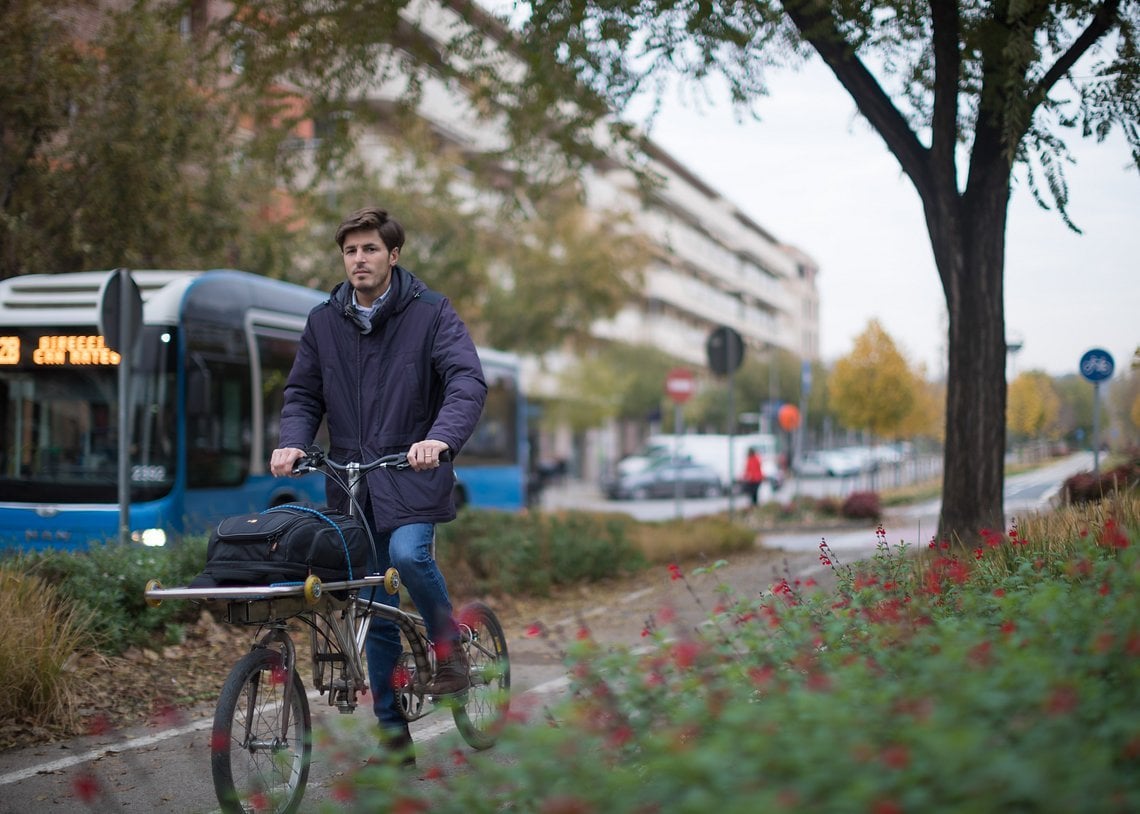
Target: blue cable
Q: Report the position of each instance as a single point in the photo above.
(329, 520)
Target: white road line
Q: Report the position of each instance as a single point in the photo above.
(426, 733)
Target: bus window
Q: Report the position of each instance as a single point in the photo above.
(277, 350)
(495, 440)
(218, 429)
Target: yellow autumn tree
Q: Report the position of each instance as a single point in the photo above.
(873, 388)
(928, 418)
(1032, 406)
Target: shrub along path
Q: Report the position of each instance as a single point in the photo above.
(156, 687)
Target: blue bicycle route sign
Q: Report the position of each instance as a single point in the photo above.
(1097, 365)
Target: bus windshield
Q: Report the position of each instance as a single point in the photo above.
(60, 423)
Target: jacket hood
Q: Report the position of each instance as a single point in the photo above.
(405, 287)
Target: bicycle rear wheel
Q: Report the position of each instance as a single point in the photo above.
(488, 700)
(257, 766)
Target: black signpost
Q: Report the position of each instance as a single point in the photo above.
(120, 320)
(1096, 366)
(726, 353)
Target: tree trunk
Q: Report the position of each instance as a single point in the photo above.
(968, 236)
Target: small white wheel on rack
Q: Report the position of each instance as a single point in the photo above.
(313, 590)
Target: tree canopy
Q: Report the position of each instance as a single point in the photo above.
(873, 387)
(128, 143)
(1034, 406)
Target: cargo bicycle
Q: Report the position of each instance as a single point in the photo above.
(261, 740)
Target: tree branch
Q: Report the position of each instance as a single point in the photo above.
(1103, 21)
(945, 23)
(818, 29)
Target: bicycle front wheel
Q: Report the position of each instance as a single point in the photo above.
(488, 699)
(259, 762)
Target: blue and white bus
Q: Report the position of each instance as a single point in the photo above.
(206, 391)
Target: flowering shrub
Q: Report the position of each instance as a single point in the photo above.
(862, 506)
(1087, 487)
(934, 680)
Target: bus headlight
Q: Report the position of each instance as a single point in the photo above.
(153, 538)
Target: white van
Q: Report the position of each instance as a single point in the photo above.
(712, 450)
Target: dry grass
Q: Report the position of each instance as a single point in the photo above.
(40, 640)
(1065, 529)
(689, 540)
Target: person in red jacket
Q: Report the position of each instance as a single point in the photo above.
(753, 475)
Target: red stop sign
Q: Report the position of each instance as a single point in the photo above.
(680, 384)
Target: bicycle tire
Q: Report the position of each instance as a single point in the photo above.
(260, 773)
(488, 700)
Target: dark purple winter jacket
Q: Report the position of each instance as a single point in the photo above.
(409, 374)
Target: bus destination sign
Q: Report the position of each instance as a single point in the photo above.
(60, 349)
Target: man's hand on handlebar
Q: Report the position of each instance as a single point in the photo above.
(427, 454)
(281, 462)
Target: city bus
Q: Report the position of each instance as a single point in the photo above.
(214, 351)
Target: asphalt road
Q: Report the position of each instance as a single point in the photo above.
(164, 768)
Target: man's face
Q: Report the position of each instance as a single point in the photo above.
(368, 264)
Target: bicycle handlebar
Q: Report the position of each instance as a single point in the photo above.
(314, 458)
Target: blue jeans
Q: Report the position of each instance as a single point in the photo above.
(409, 550)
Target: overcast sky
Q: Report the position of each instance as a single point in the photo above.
(816, 176)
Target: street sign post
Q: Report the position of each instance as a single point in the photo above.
(120, 320)
(680, 385)
(1096, 366)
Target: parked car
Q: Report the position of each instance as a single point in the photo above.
(834, 463)
(659, 480)
(723, 453)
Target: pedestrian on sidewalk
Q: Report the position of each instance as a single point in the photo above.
(753, 475)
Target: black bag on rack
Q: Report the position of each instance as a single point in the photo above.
(284, 544)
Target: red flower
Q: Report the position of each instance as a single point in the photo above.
(675, 572)
(219, 738)
(895, 756)
(344, 792)
(86, 787)
(761, 675)
(886, 807)
(1062, 700)
(685, 654)
(99, 725)
(980, 654)
(535, 629)
(408, 805)
(1112, 535)
(565, 804)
